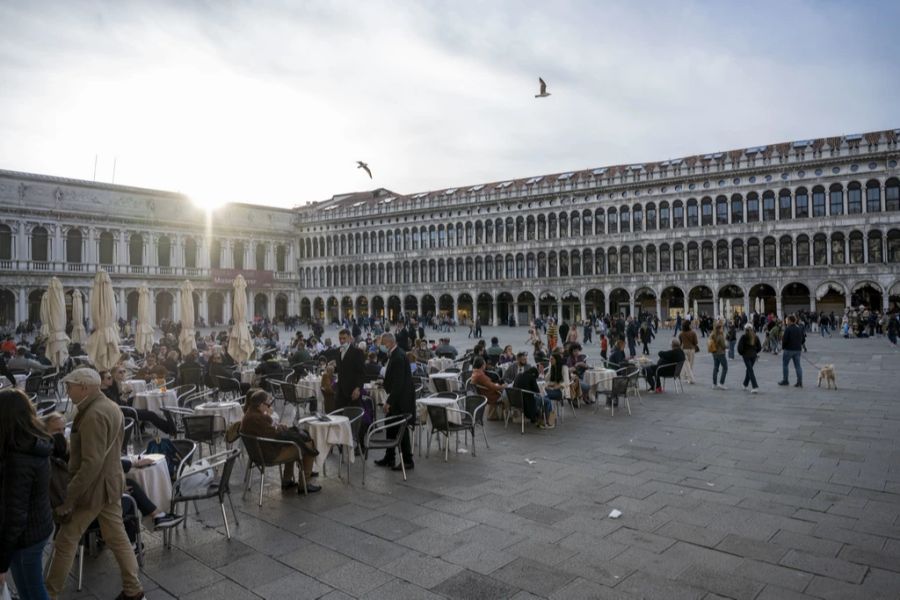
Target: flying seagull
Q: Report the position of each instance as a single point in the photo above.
(544, 93)
(364, 166)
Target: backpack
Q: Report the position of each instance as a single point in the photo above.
(165, 447)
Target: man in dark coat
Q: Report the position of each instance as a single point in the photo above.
(401, 400)
(668, 361)
(350, 371)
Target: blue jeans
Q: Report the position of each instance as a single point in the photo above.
(719, 361)
(731, 344)
(788, 356)
(750, 376)
(27, 571)
(549, 398)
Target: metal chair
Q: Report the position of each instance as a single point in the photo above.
(192, 375)
(516, 399)
(205, 429)
(633, 373)
(382, 425)
(229, 386)
(219, 488)
(256, 452)
(128, 426)
(475, 406)
(183, 391)
(45, 407)
(355, 414)
(289, 395)
(196, 398)
(441, 425)
(675, 376)
(619, 388)
(441, 384)
(175, 415)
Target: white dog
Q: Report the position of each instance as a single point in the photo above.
(826, 374)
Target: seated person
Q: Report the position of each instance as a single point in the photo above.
(21, 362)
(328, 385)
(540, 356)
(507, 356)
(258, 422)
(526, 381)
(415, 367)
(423, 352)
(486, 387)
(112, 387)
(557, 378)
(617, 358)
(190, 370)
(268, 367)
(217, 368)
(514, 369)
(144, 372)
(445, 350)
(372, 368)
(669, 359)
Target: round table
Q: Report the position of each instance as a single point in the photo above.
(155, 400)
(230, 411)
(154, 479)
(377, 392)
(325, 434)
(310, 386)
(452, 380)
(137, 385)
(439, 364)
(452, 416)
(599, 379)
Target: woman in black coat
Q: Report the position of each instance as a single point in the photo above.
(26, 520)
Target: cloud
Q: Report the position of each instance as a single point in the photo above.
(273, 102)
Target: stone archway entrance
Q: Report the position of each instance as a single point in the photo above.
(763, 295)
(645, 302)
(701, 301)
(868, 294)
(734, 299)
(672, 303)
(794, 298)
(619, 301)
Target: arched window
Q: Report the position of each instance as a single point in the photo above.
(599, 222)
(651, 216)
(613, 221)
(190, 253)
(563, 225)
(678, 257)
(625, 259)
(237, 254)
(637, 258)
(552, 265)
(612, 261)
(893, 246)
(551, 225)
(737, 254)
(664, 215)
(281, 258)
(803, 250)
(665, 258)
(599, 262)
(215, 254)
(107, 245)
(677, 214)
(651, 259)
(786, 251)
(542, 264)
(876, 254)
(587, 223)
(892, 194)
(801, 204)
(820, 250)
(706, 212)
(261, 252)
(752, 207)
(479, 269)
(164, 251)
(574, 262)
(624, 220)
(721, 210)
(854, 198)
(489, 268)
(692, 213)
(530, 266)
(837, 249)
(575, 221)
(40, 242)
(722, 255)
(836, 199)
(857, 253)
(873, 196)
(563, 264)
(520, 229)
(737, 208)
(136, 250)
(769, 250)
(784, 205)
(693, 256)
(587, 262)
(637, 218)
(753, 253)
(818, 201)
(706, 256)
(73, 245)
(768, 205)
(6, 239)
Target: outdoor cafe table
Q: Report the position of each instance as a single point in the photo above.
(452, 380)
(439, 364)
(155, 400)
(310, 386)
(376, 391)
(137, 385)
(325, 434)
(154, 479)
(452, 416)
(230, 411)
(599, 379)
(247, 374)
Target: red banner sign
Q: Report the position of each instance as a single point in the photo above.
(255, 279)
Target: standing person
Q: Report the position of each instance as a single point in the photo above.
(749, 348)
(646, 336)
(401, 401)
(731, 337)
(792, 346)
(96, 484)
(26, 520)
(552, 334)
(588, 331)
(717, 349)
(350, 372)
(631, 331)
(690, 345)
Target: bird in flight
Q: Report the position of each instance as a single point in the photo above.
(364, 166)
(544, 93)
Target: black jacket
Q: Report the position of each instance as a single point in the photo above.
(25, 514)
(670, 358)
(399, 384)
(351, 374)
(792, 339)
(748, 350)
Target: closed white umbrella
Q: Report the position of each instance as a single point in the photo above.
(57, 351)
(240, 345)
(45, 316)
(143, 336)
(186, 340)
(696, 312)
(79, 335)
(103, 345)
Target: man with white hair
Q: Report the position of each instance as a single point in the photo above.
(96, 483)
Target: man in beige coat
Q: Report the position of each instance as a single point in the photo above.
(95, 485)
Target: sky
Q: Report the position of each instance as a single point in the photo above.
(274, 102)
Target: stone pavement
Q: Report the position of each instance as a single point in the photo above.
(790, 494)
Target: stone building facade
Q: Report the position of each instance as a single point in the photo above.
(810, 224)
(50, 226)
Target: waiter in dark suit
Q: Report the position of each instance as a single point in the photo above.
(401, 400)
(350, 371)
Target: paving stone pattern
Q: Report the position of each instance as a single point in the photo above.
(792, 493)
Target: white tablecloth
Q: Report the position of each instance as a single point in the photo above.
(452, 417)
(137, 385)
(439, 364)
(599, 379)
(376, 391)
(155, 480)
(335, 432)
(452, 380)
(20, 380)
(155, 400)
(310, 386)
(247, 375)
(230, 411)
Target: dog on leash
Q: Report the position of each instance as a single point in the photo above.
(826, 374)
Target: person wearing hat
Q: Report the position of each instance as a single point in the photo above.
(96, 483)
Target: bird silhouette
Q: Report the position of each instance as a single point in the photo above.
(544, 93)
(364, 166)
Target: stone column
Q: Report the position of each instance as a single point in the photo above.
(226, 309)
(494, 303)
(559, 307)
(747, 302)
(537, 305)
(122, 257)
(270, 304)
(57, 248)
(204, 306)
(22, 308)
(778, 304)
